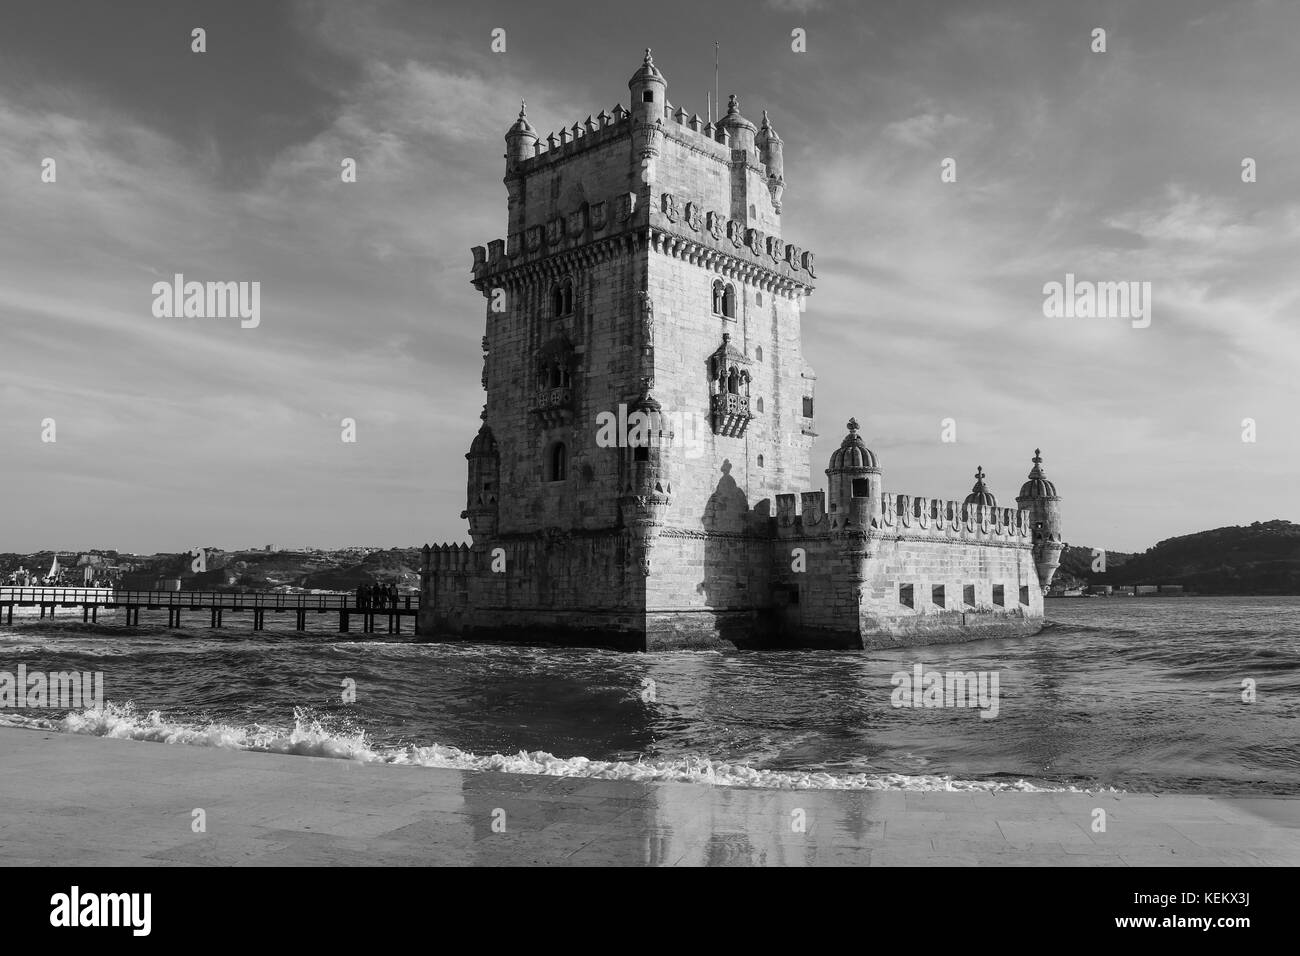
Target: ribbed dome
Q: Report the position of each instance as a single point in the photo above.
(766, 134)
(484, 444)
(980, 494)
(853, 454)
(1038, 485)
(648, 71)
(522, 125)
(733, 117)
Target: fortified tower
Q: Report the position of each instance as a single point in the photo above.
(1038, 496)
(647, 399)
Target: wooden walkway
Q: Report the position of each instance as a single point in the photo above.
(216, 603)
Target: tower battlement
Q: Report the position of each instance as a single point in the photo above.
(644, 279)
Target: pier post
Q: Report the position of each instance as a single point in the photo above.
(302, 619)
(343, 622)
(94, 614)
(85, 613)
(42, 610)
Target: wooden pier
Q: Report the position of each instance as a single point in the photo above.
(216, 603)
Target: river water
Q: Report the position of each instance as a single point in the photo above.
(1141, 694)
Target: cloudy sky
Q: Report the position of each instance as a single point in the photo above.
(1115, 166)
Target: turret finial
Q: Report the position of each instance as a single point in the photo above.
(979, 473)
(853, 424)
(733, 104)
(1038, 456)
(523, 110)
(649, 60)
(766, 124)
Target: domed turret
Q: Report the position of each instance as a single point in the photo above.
(520, 139)
(854, 473)
(980, 494)
(481, 495)
(742, 131)
(769, 153)
(649, 91)
(1038, 496)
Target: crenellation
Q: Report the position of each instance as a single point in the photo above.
(646, 276)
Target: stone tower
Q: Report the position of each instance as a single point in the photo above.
(647, 401)
(1038, 496)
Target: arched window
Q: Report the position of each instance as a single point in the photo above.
(717, 297)
(760, 404)
(557, 464)
(760, 461)
(562, 299)
(729, 301)
(733, 381)
(758, 353)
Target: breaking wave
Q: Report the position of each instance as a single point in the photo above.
(309, 737)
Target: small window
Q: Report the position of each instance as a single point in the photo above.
(758, 353)
(717, 297)
(562, 299)
(999, 595)
(760, 461)
(760, 404)
(807, 406)
(641, 453)
(753, 213)
(968, 595)
(758, 298)
(905, 595)
(557, 462)
(1024, 595)
(729, 301)
(861, 488)
(937, 595)
(648, 96)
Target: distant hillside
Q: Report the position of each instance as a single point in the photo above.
(1261, 558)
(340, 570)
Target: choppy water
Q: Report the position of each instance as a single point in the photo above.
(1136, 694)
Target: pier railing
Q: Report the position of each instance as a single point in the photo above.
(271, 600)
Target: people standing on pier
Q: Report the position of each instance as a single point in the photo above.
(361, 595)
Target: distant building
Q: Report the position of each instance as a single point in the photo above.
(1142, 590)
(1171, 589)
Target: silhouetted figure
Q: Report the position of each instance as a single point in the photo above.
(361, 595)
(392, 595)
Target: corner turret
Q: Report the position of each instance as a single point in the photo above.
(649, 100)
(521, 139)
(1038, 496)
(854, 473)
(770, 155)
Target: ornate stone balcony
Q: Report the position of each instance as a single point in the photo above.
(731, 414)
(554, 406)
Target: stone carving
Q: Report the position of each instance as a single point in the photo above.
(736, 232)
(793, 256)
(693, 216)
(576, 222)
(774, 248)
(808, 259)
(670, 207)
(717, 225)
(598, 216)
(554, 231)
(624, 206)
(533, 238)
(754, 239)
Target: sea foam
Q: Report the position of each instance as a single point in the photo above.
(310, 739)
